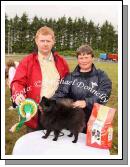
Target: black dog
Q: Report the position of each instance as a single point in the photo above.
(58, 115)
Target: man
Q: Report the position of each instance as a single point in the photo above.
(86, 85)
(38, 74)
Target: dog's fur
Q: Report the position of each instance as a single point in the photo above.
(58, 115)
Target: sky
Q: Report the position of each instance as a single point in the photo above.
(96, 13)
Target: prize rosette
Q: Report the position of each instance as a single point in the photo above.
(26, 110)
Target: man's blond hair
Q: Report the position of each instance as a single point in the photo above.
(45, 31)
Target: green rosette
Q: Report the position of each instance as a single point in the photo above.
(26, 110)
(27, 106)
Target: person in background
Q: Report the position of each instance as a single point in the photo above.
(86, 85)
(10, 70)
(39, 73)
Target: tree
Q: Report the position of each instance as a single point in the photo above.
(15, 33)
(90, 32)
(23, 34)
(69, 33)
(60, 33)
(108, 35)
(33, 27)
(6, 33)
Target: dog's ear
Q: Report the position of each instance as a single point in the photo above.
(44, 98)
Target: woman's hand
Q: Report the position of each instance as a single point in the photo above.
(79, 103)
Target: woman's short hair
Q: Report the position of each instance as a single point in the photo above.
(84, 49)
(45, 31)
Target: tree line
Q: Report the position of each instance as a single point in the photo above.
(70, 33)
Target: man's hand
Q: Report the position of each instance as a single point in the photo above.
(19, 99)
(79, 103)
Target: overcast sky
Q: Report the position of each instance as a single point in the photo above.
(97, 13)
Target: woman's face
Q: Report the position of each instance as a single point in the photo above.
(85, 62)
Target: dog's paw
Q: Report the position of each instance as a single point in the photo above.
(70, 135)
(54, 139)
(74, 141)
(44, 137)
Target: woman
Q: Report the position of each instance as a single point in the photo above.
(86, 85)
(10, 70)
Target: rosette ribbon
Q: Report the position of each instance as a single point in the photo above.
(26, 110)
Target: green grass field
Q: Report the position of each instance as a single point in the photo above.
(12, 116)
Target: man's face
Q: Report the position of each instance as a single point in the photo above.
(85, 62)
(44, 44)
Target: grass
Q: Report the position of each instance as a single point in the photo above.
(12, 116)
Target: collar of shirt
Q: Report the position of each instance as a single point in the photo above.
(48, 58)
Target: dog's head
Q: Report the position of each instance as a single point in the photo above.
(46, 104)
